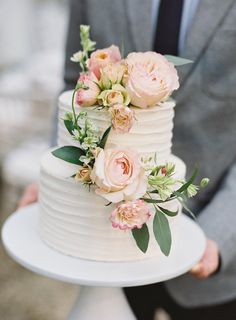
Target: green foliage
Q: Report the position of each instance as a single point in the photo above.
(204, 182)
(192, 190)
(141, 237)
(69, 126)
(169, 212)
(163, 184)
(81, 85)
(177, 61)
(162, 232)
(87, 44)
(69, 154)
(155, 201)
(81, 57)
(189, 182)
(104, 138)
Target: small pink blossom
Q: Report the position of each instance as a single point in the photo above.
(130, 215)
(122, 118)
(88, 97)
(101, 58)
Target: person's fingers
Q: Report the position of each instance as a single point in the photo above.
(202, 270)
(209, 262)
(30, 195)
(197, 268)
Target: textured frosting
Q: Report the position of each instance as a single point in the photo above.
(151, 132)
(75, 221)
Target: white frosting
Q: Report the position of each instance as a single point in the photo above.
(151, 132)
(75, 221)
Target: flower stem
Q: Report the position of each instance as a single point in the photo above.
(73, 107)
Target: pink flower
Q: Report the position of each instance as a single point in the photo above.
(88, 97)
(101, 58)
(130, 215)
(151, 78)
(122, 118)
(119, 175)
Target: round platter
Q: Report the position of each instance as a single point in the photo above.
(22, 242)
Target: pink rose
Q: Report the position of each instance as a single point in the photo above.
(87, 98)
(119, 175)
(122, 118)
(151, 78)
(130, 215)
(101, 58)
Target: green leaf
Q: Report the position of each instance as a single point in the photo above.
(162, 232)
(189, 211)
(169, 212)
(81, 85)
(178, 61)
(152, 200)
(158, 201)
(69, 126)
(141, 236)
(69, 154)
(190, 181)
(104, 138)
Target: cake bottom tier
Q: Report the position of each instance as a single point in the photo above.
(75, 221)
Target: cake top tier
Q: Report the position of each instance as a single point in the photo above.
(119, 102)
(151, 131)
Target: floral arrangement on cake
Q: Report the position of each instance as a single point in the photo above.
(132, 186)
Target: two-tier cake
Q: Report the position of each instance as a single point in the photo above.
(112, 190)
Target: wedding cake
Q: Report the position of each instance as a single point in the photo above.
(112, 190)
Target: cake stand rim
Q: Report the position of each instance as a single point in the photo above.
(14, 250)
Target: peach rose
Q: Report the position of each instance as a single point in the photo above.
(117, 94)
(87, 98)
(101, 58)
(83, 175)
(150, 79)
(122, 118)
(130, 215)
(112, 74)
(119, 175)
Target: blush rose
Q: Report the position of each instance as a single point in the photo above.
(118, 175)
(150, 78)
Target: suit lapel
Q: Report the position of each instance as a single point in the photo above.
(139, 16)
(209, 17)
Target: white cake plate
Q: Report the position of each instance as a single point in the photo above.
(101, 296)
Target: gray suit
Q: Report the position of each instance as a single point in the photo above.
(205, 122)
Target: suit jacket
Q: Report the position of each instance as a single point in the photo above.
(205, 122)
